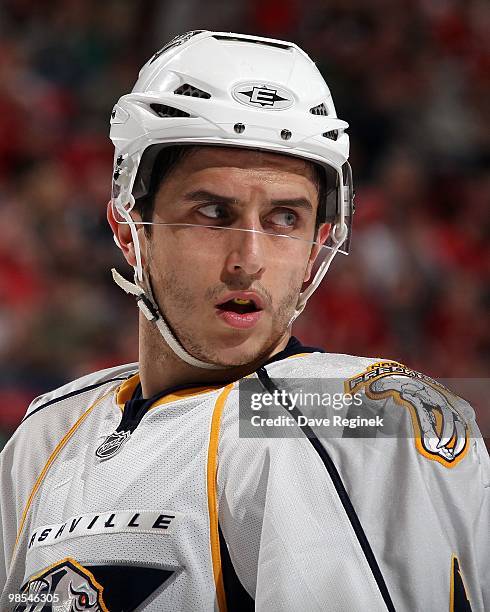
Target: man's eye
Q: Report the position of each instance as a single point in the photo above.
(214, 211)
(284, 218)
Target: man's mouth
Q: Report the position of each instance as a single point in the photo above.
(241, 310)
(239, 306)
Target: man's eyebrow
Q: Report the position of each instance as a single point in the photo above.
(293, 203)
(207, 196)
(202, 195)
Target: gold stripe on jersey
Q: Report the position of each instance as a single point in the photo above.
(125, 392)
(126, 389)
(182, 393)
(59, 447)
(212, 495)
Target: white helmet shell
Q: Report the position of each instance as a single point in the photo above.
(217, 88)
(234, 90)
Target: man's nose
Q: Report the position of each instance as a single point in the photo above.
(246, 253)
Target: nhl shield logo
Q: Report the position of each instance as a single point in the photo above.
(262, 95)
(112, 444)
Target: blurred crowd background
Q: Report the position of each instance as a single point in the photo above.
(410, 76)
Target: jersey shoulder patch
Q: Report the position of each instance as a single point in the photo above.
(440, 419)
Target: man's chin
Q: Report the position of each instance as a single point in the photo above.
(239, 352)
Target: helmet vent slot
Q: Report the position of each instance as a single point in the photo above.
(162, 110)
(319, 109)
(333, 134)
(190, 90)
(251, 40)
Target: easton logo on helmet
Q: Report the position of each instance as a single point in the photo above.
(264, 96)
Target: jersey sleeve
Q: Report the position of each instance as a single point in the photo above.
(3, 569)
(8, 513)
(422, 488)
(16, 479)
(422, 505)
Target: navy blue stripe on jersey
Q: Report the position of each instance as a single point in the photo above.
(460, 601)
(293, 347)
(72, 394)
(127, 587)
(270, 386)
(237, 598)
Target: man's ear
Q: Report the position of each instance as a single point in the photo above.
(322, 235)
(123, 236)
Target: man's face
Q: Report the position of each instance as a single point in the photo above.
(195, 271)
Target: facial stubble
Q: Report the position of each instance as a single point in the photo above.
(177, 303)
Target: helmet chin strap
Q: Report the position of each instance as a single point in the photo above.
(339, 235)
(141, 289)
(148, 306)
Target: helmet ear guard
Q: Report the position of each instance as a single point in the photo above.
(188, 94)
(338, 238)
(340, 209)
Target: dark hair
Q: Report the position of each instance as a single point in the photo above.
(161, 166)
(167, 158)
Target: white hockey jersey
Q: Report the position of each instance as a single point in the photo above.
(215, 498)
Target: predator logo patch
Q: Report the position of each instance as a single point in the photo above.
(63, 586)
(68, 586)
(440, 429)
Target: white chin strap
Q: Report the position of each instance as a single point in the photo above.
(339, 235)
(141, 289)
(147, 304)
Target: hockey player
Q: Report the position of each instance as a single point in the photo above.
(233, 468)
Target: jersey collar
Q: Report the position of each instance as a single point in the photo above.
(131, 388)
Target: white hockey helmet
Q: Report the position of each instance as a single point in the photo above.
(234, 90)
